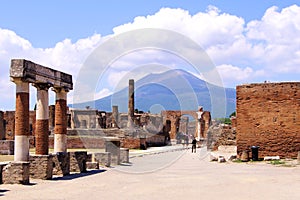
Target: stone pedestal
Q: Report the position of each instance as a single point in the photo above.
(7, 147)
(16, 173)
(41, 166)
(102, 158)
(78, 161)
(112, 145)
(61, 163)
(92, 165)
(124, 155)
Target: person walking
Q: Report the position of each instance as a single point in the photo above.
(194, 142)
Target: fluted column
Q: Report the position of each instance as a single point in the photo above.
(61, 123)
(42, 120)
(22, 121)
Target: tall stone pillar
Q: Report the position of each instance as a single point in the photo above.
(115, 116)
(22, 121)
(61, 123)
(130, 102)
(42, 120)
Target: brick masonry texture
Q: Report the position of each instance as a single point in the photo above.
(42, 137)
(268, 115)
(60, 117)
(21, 116)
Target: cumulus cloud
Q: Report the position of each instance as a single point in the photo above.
(268, 47)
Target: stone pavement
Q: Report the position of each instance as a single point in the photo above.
(170, 175)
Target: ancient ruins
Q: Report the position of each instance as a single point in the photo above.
(267, 117)
(57, 127)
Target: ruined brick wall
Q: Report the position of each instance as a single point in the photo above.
(268, 115)
(9, 117)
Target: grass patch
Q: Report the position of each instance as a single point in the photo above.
(277, 162)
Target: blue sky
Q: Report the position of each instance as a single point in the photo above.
(248, 41)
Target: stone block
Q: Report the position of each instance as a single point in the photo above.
(92, 165)
(269, 158)
(16, 173)
(7, 147)
(124, 155)
(61, 163)
(41, 166)
(103, 159)
(78, 161)
(112, 145)
(221, 159)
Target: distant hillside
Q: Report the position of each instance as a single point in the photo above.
(172, 90)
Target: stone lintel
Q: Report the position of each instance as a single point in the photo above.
(34, 73)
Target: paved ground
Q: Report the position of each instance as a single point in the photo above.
(170, 175)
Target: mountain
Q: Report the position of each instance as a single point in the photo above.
(173, 90)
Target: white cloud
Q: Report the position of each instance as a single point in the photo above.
(242, 52)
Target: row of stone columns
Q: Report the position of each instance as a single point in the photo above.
(42, 120)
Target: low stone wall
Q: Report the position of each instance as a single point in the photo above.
(16, 173)
(156, 140)
(220, 135)
(41, 166)
(131, 143)
(76, 142)
(7, 147)
(103, 159)
(61, 163)
(78, 161)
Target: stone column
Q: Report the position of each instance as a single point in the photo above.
(2, 127)
(22, 121)
(130, 102)
(199, 124)
(61, 123)
(42, 120)
(115, 116)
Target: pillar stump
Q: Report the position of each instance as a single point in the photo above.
(41, 166)
(61, 163)
(78, 161)
(16, 172)
(112, 145)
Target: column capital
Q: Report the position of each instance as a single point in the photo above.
(60, 89)
(42, 86)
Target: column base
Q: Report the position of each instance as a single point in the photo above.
(16, 173)
(78, 161)
(41, 166)
(61, 163)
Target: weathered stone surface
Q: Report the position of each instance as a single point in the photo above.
(268, 116)
(269, 158)
(35, 73)
(112, 145)
(78, 161)
(220, 135)
(7, 147)
(61, 163)
(103, 159)
(41, 166)
(124, 155)
(16, 173)
(92, 165)
(2, 126)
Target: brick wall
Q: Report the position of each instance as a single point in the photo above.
(268, 115)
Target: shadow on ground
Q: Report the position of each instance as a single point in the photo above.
(78, 175)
